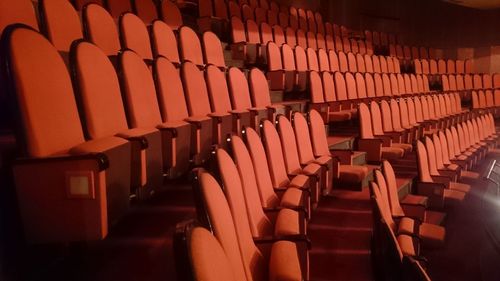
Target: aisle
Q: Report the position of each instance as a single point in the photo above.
(340, 233)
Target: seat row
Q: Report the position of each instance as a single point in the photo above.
(295, 155)
(336, 96)
(251, 32)
(400, 228)
(396, 236)
(61, 24)
(448, 155)
(146, 10)
(287, 68)
(272, 14)
(486, 100)
(407, 53)
(470, 82)
(441, 66)
(388, 129)
(170, 119)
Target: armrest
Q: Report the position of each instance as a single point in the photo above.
(218, 115)
(197, 120)
(100, 158)
(386, 140)
(298, 238)
(430, 188)
(441, 179)
(448, 173)
(405, 216)
(239, 112)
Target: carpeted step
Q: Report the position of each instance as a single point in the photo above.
(339, 184)
(341, 141)
(404, 186)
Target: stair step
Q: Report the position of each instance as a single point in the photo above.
(404, 186)
(359, 158)
(294, 105)
(341, 142)
(228, 59)
(358, 186)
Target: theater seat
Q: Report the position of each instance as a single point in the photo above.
(378, 132)
(190, 46)
(60, 23)
(220, 100)
(171, 14)
(436, 188)
(347, 173)
(390, 247)
(99, 99)
(198, 102)
(164, 42)
(291, 155)
(141, 104)
(244, 196)
(306, 154)
(278, 169)
(100, 29)
(232, 230)
(259, 92)
(377, 149)
(272, 197)
(212, 50)
(17, 11)
(207, 258)
(411, 204)
(67, 174)
(431, 235)
(240, 97)
(134, 36)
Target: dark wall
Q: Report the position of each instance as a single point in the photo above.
(419, 22)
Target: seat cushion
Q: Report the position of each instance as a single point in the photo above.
(98, 146)
(460, 187)
(432, 234)
(323, 160)
(412, 199)
(287, 223)
(452, 167)
(339, 116)
(405, 146)
(284, 262)
(353, 174)
(406, 226)
(454, 195)
(136, 132)
(173, 124)
(392, 153)
(300, 181)
(312, 169)
(291, 198)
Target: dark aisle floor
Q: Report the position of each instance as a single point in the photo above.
(467, 242)
(340, 233)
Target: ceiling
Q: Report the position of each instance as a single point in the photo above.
(477, 4)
